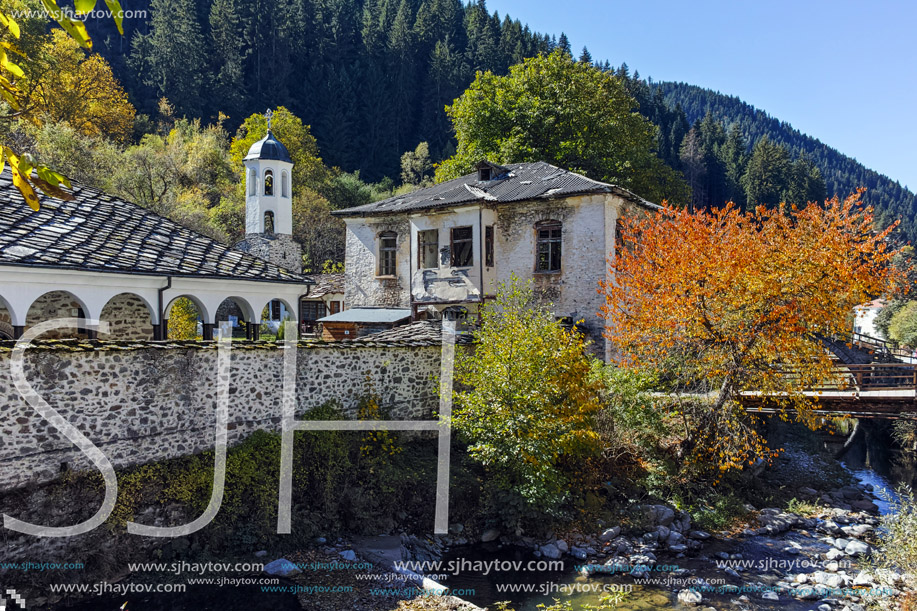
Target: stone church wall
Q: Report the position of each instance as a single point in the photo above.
(150, 403)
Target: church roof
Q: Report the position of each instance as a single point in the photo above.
(513, 182)
(98, 232)
(269, 147)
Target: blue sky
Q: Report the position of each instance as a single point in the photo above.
(844, 71)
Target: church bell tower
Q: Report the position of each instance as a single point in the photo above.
(268, 203)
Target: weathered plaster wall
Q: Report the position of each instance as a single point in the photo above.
(363, 286)
(572, 290)
(153, 403)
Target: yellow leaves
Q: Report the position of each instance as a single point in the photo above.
(74, 27)
(10, 24)
(45, 179)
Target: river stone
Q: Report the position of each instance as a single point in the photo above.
(664, 515)
(834, 554)
(801, 578)
(841, 543)
(662, 533)
(770, 595)
(348, 554)
(562, 546)
(824, 607)
(550, 551)
(579, 553)
(699, 534)
(807, 491)
(675, 538)
(281, 568)
(678, 548)
(690, 598)
(865, 505)
(850, 492)
(856, 548)
(491, 534)
(863, 579)
(834, 581)
(610, 533)
(888, 577)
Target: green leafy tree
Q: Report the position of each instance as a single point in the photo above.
(183, 318)
(571, 114)
(308, 169)
(903, 325)
(766, 175)
(527, 404)
(22, 60)
(416, 165)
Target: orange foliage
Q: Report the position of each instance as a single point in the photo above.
(729, 301)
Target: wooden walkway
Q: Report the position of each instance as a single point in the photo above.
(874, 390)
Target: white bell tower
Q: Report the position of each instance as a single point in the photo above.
(269, 203)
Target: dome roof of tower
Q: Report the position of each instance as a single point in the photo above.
(269, 147)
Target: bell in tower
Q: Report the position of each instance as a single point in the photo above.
(269, 203)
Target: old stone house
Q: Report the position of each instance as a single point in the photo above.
(445, 249)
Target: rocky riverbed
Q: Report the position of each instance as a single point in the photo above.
(818, 561)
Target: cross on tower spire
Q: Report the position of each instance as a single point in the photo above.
(269, 115)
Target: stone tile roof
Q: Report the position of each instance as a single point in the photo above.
(326, 284)
(98, 232)
(521, 182)
(419, 333)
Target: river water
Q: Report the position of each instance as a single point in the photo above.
(872, 460)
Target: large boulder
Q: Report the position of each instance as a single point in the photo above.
(550, 551)
(491, 534)
(664, 515)
(610, 533)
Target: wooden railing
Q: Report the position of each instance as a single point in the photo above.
(879, 345)
(868, 377)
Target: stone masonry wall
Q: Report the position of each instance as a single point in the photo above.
(158, 402)
(128, 318)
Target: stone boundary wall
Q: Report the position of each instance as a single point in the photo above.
(145, 402)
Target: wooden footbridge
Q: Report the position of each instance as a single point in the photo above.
(865, 390)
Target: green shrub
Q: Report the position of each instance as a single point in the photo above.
(898, 535)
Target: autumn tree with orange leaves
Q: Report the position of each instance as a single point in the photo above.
(722, 302)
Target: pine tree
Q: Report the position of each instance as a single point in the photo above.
(585, 56)
(766, 177)
(734, 157)
(227, 57)
(563, 43)
(694, 168)
(177, 52)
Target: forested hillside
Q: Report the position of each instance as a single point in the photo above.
(372, 78)
(841, 173)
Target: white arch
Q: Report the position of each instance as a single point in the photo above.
(150, 310)
(293, 311)
(243, 304)
(88, 313)
(149, 306)
(201, 307)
